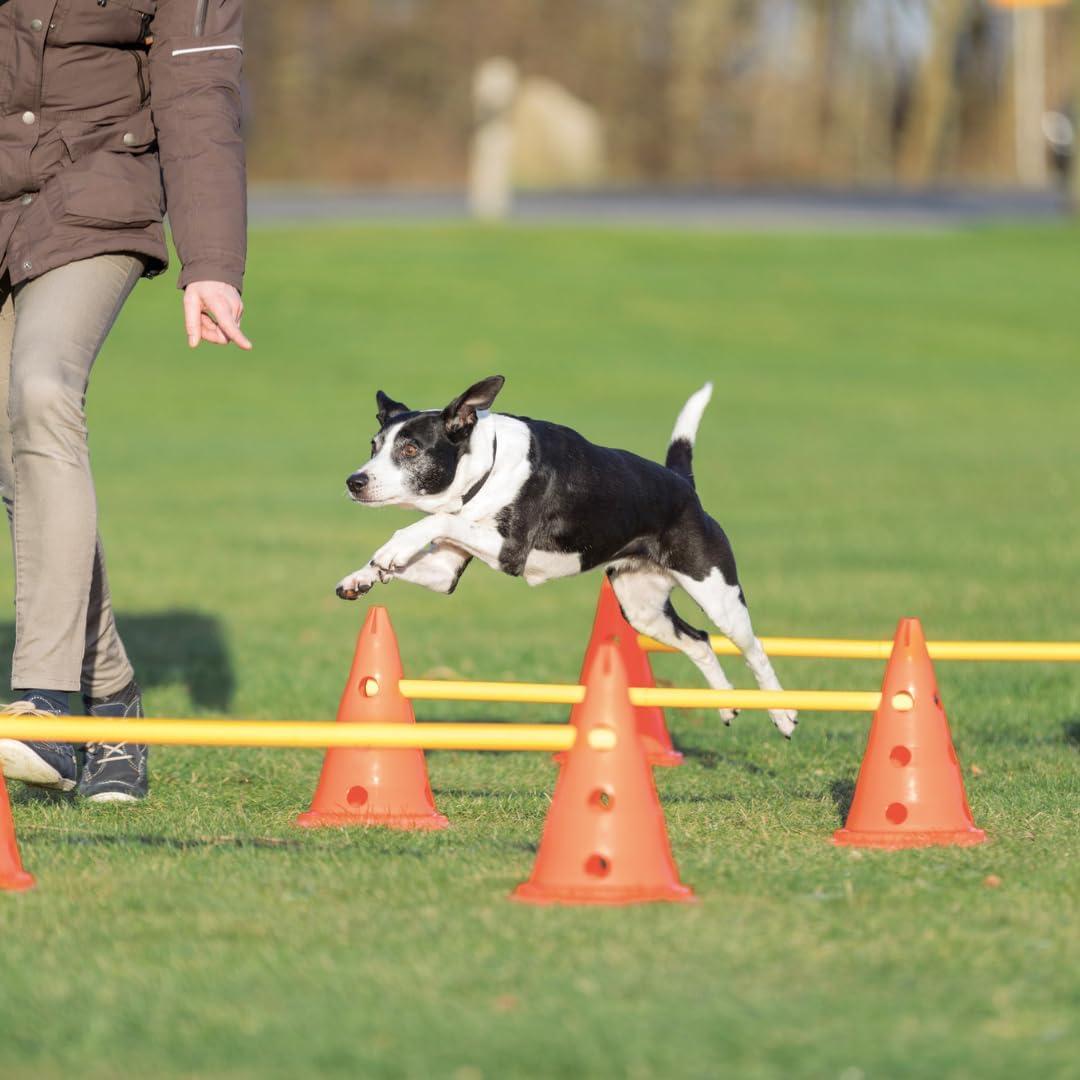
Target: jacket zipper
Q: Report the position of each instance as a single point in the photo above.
(140, 62)
(200, 17)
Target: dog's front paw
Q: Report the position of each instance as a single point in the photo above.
(785, 721)
(727, 715)
(356, 584)
(393, 557)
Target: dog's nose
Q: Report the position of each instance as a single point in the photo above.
(357, 482)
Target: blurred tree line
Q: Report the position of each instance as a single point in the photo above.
(377, 92)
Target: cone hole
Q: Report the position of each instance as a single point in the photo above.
(903, 701)
(937, 699)
(896, 813)
(602, 799)
(369, 686)
(598, 866)
(357, 796)
(601, 737)
(900, 756)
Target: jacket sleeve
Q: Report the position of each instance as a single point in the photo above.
(195, 102)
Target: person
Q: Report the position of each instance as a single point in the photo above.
(111, 112)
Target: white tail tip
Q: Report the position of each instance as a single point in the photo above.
(690, 417)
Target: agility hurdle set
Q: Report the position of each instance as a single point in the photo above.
(605, 839)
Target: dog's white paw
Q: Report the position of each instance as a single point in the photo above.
(395, 555)
(785, 721)
(356, 584)
(727, 715)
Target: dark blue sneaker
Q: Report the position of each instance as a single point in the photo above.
(115, 772)
(43, 764)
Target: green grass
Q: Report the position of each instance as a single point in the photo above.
(894, 431)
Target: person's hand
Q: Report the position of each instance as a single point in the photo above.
(212, 311)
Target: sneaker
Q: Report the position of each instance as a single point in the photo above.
(115, 772)
(42, 764)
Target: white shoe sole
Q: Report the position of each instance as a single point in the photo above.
(19, 762)
(112, 797)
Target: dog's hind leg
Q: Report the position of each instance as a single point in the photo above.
(725, 606)
(645, 598)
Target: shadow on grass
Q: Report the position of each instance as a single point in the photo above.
(493, 793)
(167, 647)
(842, 792)
(710, 759)
(1072, 732)
(180, 843)
(26, 795)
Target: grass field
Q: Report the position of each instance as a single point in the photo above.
(894, 431)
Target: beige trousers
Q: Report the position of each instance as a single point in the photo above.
(51, 330)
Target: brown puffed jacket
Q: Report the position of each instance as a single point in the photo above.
(111, 111)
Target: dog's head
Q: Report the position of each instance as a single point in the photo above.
(416, 455)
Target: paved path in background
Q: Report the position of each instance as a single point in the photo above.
(751, 210)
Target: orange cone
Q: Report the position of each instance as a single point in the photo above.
(605, 841)
(374, 786)
(12, 875)
(910, 792)
(609, 623)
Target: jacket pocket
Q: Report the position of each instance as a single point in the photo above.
(88, 22)
(114, 179)
(135, 135)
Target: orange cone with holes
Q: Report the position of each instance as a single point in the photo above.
(13, 877)
(609, 623)
(910, 792)
(605, 840)
(374, 786)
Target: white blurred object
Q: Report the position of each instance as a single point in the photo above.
(528, 131)
(558, 138)
(1029, 94)
(495, 86)
(1060, 134)
(1059, 131)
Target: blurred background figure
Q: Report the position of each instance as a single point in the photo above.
(531, 94)
(491, 160)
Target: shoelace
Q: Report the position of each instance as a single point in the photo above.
(112, 752)
(25, 708)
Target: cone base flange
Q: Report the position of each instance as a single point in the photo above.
(18, 882)
(528, 893)
(315, 819)
(895, 841)
(665, 758)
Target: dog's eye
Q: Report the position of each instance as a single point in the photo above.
(410, 450)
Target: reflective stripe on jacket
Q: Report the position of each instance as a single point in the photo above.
(111, 111)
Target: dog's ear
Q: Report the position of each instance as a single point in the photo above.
(460, 415)
(388, 408)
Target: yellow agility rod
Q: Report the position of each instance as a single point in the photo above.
(289, 733)
(431, 736)
(853, 649)
(664, 697)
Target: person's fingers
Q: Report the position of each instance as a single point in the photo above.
(227, 320)
(192, 317)
(212, 332)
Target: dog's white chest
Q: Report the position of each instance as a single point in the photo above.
(541, 566)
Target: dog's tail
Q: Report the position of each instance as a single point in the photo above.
(680, 455)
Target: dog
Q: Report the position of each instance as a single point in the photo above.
(537, 500)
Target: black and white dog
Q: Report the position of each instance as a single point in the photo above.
(538, 501)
